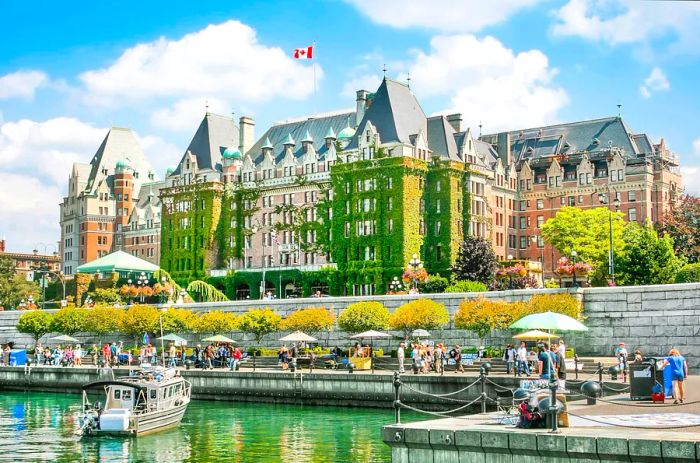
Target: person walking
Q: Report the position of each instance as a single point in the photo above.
(548, 362)
(78, 355)
(38, 352)
(509, 357)
(173, 355)
(679, 373)
(521, 357)
(235, 359)
(401, 355)
(456, 355)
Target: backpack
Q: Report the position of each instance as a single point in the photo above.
(453, 353)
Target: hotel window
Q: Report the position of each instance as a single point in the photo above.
(540, 204)
(389, 183)
(523, 223)
(632, 214)
(522, 205)
(437, 206)
(347, 229)
(437, 186)
(522, 184)
(632, 196)
(437, 228)
(529, 184)
(572, 200)
(523, 242)
(391, 225)
(558, 181)
(580, 199)
(540, 221)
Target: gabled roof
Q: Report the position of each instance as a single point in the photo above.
(575, 137)
(214, 135)
(120, 144)
(441, 138)
(394, 112)
(118, 261)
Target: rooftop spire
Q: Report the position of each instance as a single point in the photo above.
(384, 70)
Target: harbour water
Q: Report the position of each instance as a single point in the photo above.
(40, 427)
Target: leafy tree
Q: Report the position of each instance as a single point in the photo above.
(69, 320)
(463, 286)
(364, 316)
(682, 223)
(14, 287)
(106, 296)
(434, 284)
(689, 274)
(215, 321)
(420, 313)
(259, 322)
(476, 261)
(588, 233)
(310, 320)
(140, 319)
(482, 316)
(179, 320)
(35, 323)
(648, 258)
(103, 320)
(562, 303)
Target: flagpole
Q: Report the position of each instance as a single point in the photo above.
(313, 65)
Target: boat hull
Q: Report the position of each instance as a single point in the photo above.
(148, 423)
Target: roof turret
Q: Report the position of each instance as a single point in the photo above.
(232, 153)
(289, 140)
(307, 138)
(330, 134)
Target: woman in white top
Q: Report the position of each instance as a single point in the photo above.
(77, 355)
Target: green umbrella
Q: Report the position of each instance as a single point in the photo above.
(219, 338)
(548, 321)
(65, 338)
(174, 338)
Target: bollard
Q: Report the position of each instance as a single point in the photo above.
(483, 391)
(576, 365)
(600, 373)
(254, 352)
(397, 397)
(553, 409)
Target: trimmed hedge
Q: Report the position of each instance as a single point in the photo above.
(689, 274)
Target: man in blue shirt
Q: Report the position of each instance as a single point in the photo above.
(679, 372)
(548, 362)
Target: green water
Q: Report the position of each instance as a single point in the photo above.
(39, 427)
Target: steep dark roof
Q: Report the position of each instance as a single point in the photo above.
(575, 137)
(214, 135)
(395, 113)
(316, 126)
(441, 138)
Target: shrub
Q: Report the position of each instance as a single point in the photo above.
(690, 273)
(364, 316)
(310, 320)
(563, 303)
(215, 321)
(179, 320)
(259, 322)
(551, 283)
(103, 320)
(476, 260)
(434, 284)
(35, 323)
(140, 319)
(69, 320)
(466, 286)
(108, 296)
(421, 313)
(483, 316)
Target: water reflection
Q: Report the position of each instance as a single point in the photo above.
(40, 427)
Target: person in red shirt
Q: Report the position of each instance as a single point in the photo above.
(107, 354)
(236, 359)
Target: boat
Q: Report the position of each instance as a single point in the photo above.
(150, 399)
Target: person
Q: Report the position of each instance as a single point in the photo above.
(173, 355)
(679, 373)
(401, 356)
(312, 361)
(509, 357)
(57, 355)
(621, 354)
(417, 357)
(336, 353)
(78, 355)
(294, 354)
(48, 357)
(107, 354)
(198, 356)
(317, 294)
(439, 357)
(235, 359)
(95, 352)
(38, 352)
(113, 353)
(456, 355)
(638, 357)
(548, 362)
(68, 356)
(561, 349)
(154, 355)
(560, 364)
(521, 355)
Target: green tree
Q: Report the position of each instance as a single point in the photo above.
(106, 296)
(69, 320)
(364, 316)
(13, 287)
(648, 258)
(434, 284)
(419, 314)
(689, 274)
(682, 223)
(259, 322)
(476, 261)
(35, 323)
(588, 233)
(103, 320)
(482, 316)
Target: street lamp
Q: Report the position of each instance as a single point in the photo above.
(395, 285)
(574, 284)
(415, 265)
(142, 282)
(603, 198)
(131, 299)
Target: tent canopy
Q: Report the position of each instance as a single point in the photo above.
(119, 262)
(173, 337)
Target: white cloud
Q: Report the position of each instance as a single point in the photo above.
(367, 82)
(488, 82)
(160, 153)
(186, 114)
(443, 15)
(691, 179)
(225, 60)
(22, 84)
(631, 21)
(696, 147)
(655, 82)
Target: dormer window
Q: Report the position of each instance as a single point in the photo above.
(368, 136)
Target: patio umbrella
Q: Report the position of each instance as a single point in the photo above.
(298, 336)
(548, 321)
(219, 338)
(65, 338)
(535, 334)
(174, 338)
(420, 333)
(371, 335)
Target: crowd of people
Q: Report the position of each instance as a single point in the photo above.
(426, 358)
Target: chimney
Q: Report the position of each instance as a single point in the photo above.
(246, 130)
(455, 121)
(361, 106)
(503, 148)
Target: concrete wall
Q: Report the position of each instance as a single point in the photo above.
(651, 318)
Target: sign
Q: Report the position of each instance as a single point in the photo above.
(64, 303)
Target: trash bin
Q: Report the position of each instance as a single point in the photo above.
(18, 357)
(643, 378)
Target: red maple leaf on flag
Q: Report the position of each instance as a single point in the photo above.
(304, 53)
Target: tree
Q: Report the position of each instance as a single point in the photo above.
(259, 322)
(463, 286)
(69, 320)
(140, 319)
(648, 258)
(419, 314)
(364, 316)
(216, 321)
(106, 296)
(14, 287)
(476, 261)
(682, 224)
(35, 323)
(588, 233)
(482, 316)
(179, 320)
(689, 274)
(103, 320)
(311, 320)
(562, 303)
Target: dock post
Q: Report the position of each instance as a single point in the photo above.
(397, 397)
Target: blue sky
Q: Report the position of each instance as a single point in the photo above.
(67, 75)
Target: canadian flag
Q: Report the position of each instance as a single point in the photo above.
(304, 53)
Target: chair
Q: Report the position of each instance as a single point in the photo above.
(507, 411)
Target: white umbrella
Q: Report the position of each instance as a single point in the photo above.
(65, 338)
(298, 336)
(371, 335)
(420, 333)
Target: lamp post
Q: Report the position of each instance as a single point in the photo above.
(395, 285)
(415, 265)
(142, 282)
(573, 265)
(535, 241)
(130, 283)
(603, 198)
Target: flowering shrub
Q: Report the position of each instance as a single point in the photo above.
(421, 313)
(410, 275)
(309, 320)
(364, 316)
(567, 268)
(464, 286)
(483, 316)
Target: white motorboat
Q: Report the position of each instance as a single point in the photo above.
(148, 400)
